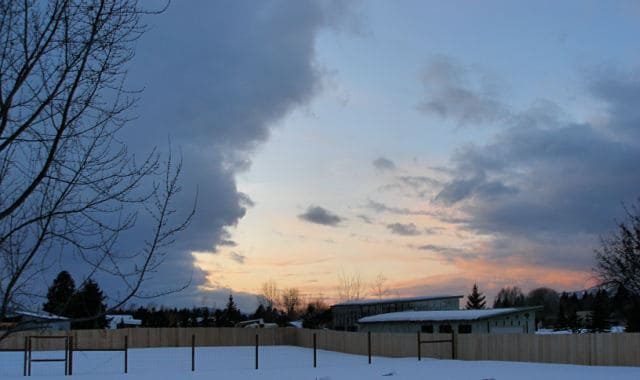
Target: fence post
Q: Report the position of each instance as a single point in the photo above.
(257, 342)
(29, 359)
(66, 355)
(314, 351)
(453, 345)
(193, 352)
(419, 348)
(126, 352)
(26, 342)
(369, 345)
(70, 355)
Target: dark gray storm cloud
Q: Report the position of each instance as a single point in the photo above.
(477, 186)
(467, 97)
(408, 229)
(620, 94)
(319, 215)
(382, 163)
(216, 76)
(552, 184)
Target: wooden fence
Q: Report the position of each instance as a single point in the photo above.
(585, 349)
(155, 337)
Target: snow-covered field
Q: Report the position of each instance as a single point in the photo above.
(284, 362)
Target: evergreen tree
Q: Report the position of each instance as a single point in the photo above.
(620, 304)
(231, 314)
(562, 322)
(207, 320)
(88, 306)
(475, 300)
(220, 320)
(317, 315)
(599, 320)
(59, 295)
(573, 322)
(586, 302)
(633, 315)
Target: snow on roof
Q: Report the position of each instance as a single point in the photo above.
(38, 315)
(443, 315)
(296, 324)
(127, 319)
(393, 300)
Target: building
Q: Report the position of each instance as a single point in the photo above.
(28, 320)
(116, 321)
(507, 320)
(346, 315)
(256, 324)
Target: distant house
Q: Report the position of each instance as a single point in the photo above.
(28, 320)
(297, 324)
(118, 321)
(256, 324)
(507, 320)
(345, 315)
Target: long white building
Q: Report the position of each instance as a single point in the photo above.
(345, 315)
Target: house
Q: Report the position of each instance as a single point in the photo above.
(346, 315)
(507, 320)
(118, 321)
(256, 324)
(29, 320)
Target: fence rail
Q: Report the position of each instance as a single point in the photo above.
(584, 349)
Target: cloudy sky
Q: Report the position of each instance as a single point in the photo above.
(437, 143)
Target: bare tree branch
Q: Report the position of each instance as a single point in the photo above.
(69, 188)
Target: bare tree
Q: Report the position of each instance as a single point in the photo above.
(270, 294)
(291, 301)
(618, 259)
(379, 286)
(69, 187)
(509, 297)
(349, 286)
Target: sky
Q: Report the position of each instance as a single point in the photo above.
(438, 144)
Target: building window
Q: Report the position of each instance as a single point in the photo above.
(428, 329)
(464, 329)
(445, 329)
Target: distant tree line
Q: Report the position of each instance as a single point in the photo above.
(594, 310)
(314, 315)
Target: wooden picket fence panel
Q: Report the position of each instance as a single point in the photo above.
(583, 349)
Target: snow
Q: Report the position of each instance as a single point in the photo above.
(612, 329)
(441, 315)
(553, 332)
(127, 319)
(393, 300)
(38, 315)
(296, 324)
(285, 362)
